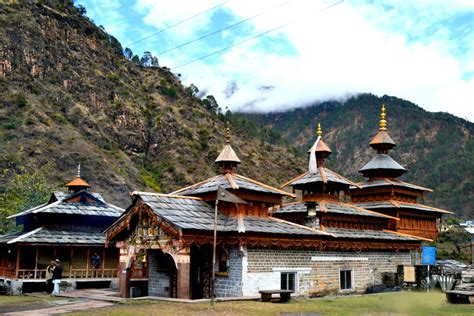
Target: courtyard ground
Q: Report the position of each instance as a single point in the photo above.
(405, 303)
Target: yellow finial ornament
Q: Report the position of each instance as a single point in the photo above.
(319, 132)
(227, 133)
(383, 122)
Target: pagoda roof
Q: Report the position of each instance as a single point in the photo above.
(229, 181)
(382, 162)
(323, 175)
(192, 213)
(382, 138)
(331, 207)
(321, 146)
(389, 182)
(75, 204)
(401, 205)
(44, 235)
(372, 234)
(78, 182)
(227, 155)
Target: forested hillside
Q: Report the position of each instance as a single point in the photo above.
(436, 148)
(70, 96)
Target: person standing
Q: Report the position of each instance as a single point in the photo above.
(95, 262)
(57, 275)
(49, 277)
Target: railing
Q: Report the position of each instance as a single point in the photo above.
(7, 272)
(93, 273)
(32, 274)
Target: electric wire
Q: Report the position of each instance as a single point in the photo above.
(225, 28)
(178, 23)
(250, 38)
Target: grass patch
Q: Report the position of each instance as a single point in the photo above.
(406, 303)
(10, 300)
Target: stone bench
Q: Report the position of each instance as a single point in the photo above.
(285, 295)
(460, 297)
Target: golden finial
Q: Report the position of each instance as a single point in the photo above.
(383, 122)
(227, 131)
(319, 131)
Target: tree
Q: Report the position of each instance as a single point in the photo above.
(22, 191)
(210, 104)
(81, 9)
(128, 53)
(136, 59)
(154, 62)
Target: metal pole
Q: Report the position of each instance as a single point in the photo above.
(214, 255)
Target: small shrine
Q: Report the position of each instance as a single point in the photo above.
(67, 227)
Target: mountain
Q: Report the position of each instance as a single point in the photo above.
(69, 96)
(436, 148)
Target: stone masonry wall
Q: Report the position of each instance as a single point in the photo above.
(231, 285)
(317, 272)
(158, 282)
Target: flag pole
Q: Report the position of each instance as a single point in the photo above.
(214, 255)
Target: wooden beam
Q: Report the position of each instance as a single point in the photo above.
(17, 265)
(36, 262)
(70, 265)
(87, 263)
(103, 261)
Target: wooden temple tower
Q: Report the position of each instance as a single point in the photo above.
(384, 193)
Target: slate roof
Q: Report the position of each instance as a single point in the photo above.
(384, 162)
(229, 181)
(195, 214)
(370, 234)
(398, 204)
(44, 235)
(390, 182)
(330, 207)
(60, 205)
(324, 175)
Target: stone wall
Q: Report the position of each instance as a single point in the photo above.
(158, 282)
(231, 285)
(317, 272)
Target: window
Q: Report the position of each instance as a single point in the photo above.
(288, 281)
(345, 278)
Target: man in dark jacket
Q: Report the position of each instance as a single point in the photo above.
(57, 275)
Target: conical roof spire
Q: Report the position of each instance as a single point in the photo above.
(382, 142)
(78, 184)
(227, 159)
(322, 150)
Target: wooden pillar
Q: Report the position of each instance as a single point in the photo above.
(184, 274)
(103, 261)
(87, 262)
(36, 263)
(70, 262)
(17, 265)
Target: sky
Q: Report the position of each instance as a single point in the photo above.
(283, 54)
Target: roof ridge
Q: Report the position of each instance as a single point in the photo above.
(34, 231)
(369, 211)
(301, 226)
(349, 181)
(263, 185)
(195, 184)
(294, 179)
(167, 195)
(231, 181)
(406, 235)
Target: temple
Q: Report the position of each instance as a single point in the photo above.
(331, 247)
(67, 227)
(384, 193)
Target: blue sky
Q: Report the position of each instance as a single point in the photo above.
(422, 50)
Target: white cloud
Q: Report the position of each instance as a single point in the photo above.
(347, 49)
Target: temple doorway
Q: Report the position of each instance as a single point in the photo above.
(201, 266)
